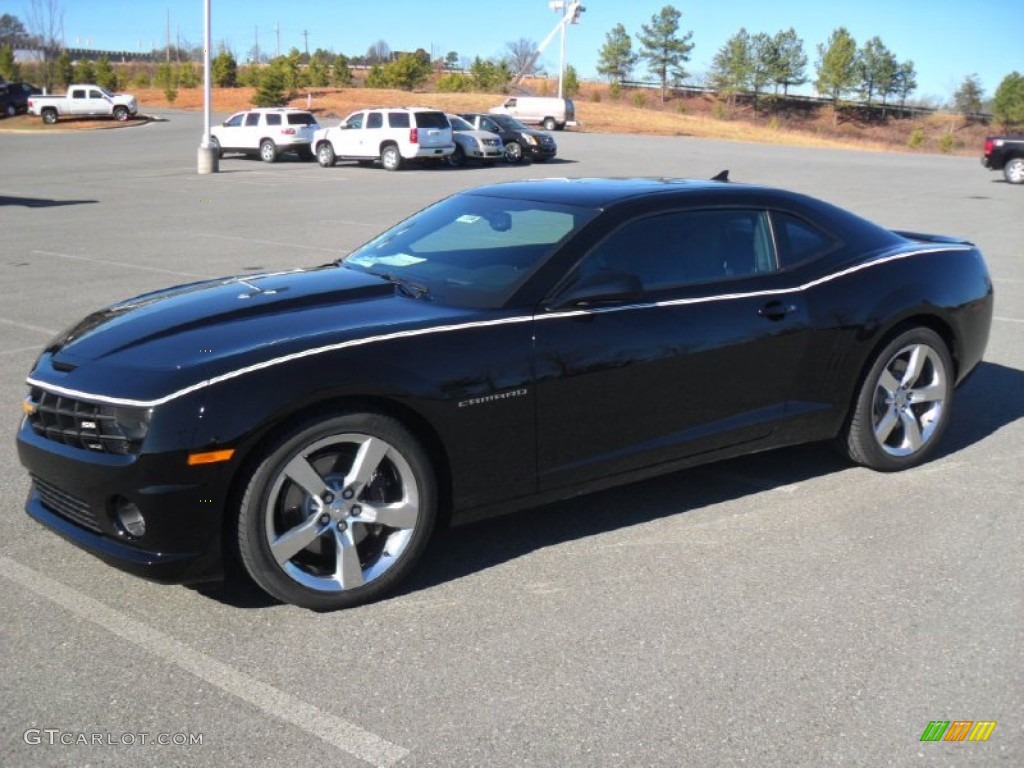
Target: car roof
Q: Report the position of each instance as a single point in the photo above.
(601, 192)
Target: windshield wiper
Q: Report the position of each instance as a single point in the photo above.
(411, 289)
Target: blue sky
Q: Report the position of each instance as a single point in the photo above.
(946, 39)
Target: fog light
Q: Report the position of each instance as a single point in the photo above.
(130, 521)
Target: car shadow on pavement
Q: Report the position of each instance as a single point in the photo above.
(991, 399)
(40, 202)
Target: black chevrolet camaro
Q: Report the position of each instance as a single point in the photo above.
(509, 345)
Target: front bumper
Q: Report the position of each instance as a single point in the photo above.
(76, 493)
(541, 151)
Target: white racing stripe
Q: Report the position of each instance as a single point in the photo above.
(472, 325)
(339, 733)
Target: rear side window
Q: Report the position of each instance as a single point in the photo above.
(398, 119)
(301, 118)
(432, 120)
(797, 241)
(273, 119)
(78, 93)
(374, 120)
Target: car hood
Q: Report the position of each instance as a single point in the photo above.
(174, 338)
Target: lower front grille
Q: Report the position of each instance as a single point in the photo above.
(66, 505)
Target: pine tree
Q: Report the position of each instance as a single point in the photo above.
(665, 52)
(616, 58)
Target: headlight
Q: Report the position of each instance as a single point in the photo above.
(529, 139)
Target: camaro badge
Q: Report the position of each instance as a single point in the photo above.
(492, 398)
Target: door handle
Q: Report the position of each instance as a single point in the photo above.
(776, 310)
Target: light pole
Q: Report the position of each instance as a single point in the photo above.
(208, 160)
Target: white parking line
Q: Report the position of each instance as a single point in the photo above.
(120, 264)
(1008, 319)
(238, 238)
(337, 732)
(18, 351)
(28, 327)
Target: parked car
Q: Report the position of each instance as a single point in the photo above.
(267, 132)
(551, 112)
(1006, 154)
(510, 345)
(520, 142)
(84, 101)
(14, 98)
(483, 146)
(391, 135)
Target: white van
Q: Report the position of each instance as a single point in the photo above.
(550, 112)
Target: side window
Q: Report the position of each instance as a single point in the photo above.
(490, 125)
(797, 241)
(253, 118)
(510, 103)
(355, 122)
(95, 94)
(398, 119)
(374, 120)
(234, 121)
(273, 119)
(78, 93)
(685, 247)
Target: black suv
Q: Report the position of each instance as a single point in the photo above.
(14, 97)
(520, 142)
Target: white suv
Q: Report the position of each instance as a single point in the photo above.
(391, 135)
(267, 132)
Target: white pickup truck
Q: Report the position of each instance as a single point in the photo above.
(84, 101)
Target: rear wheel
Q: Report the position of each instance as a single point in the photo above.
(338, 512)
(391, 158)
(549, 124)
(10, 110)
(325, 155)
(904, 403)
(49, 116)
(1014, 171)
(268, 151)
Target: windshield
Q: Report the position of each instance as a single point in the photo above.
(509, 122)
(470, 250)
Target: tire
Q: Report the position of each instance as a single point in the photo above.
(268, 151)
(456, 159)
(307, 526)
(49, 116)
(513, 152)
(549, 124)
(325, 155)
(10, 110)
(1014, 170)
(391, 158)
(120, 114)
(904, 403)
(215, 146)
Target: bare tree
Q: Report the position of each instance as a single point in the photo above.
(522, 56)
(46, 23)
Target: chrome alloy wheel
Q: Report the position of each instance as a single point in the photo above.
(341, 512)
(909, 400)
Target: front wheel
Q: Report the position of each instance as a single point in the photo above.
(904, 403)
(120, 114)
(1014, 171)
(456, 159)
(513, 152)
(268, 151)
(338, 512)
(325, 155)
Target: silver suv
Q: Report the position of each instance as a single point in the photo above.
(267, 132)
(389, 134)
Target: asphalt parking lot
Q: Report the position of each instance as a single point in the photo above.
(781, 610)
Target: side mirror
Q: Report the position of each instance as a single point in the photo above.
(600, 288)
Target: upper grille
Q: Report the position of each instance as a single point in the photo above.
(95, 427)
(67, 506)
